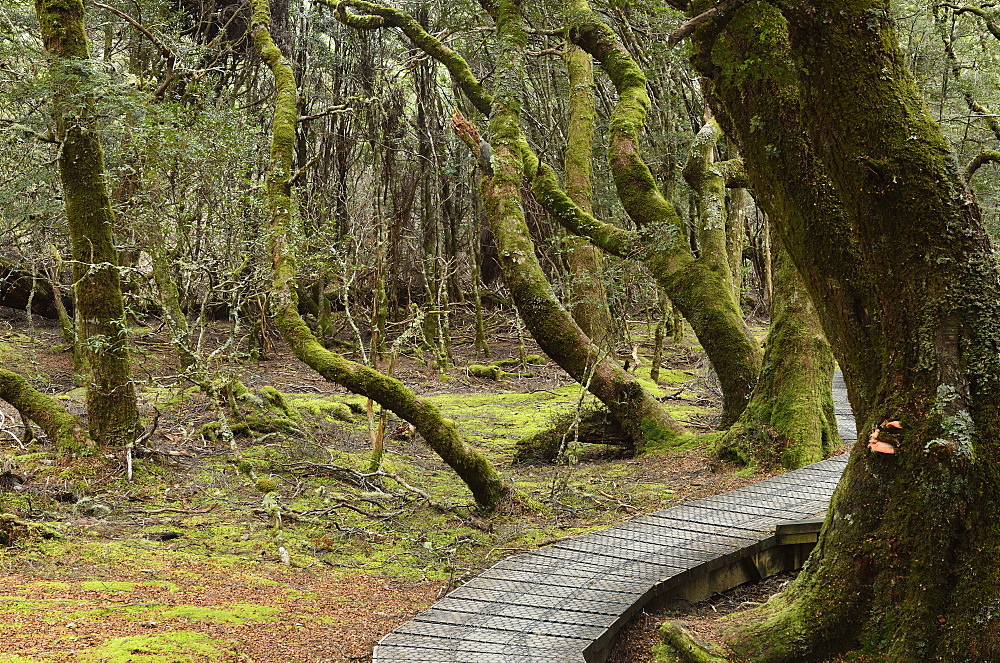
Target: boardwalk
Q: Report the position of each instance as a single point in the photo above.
(566, 602)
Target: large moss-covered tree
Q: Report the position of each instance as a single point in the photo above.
(101, 324)
(841, 150)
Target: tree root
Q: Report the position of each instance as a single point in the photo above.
(688, 647)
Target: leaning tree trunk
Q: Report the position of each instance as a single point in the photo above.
(641, 417)
(841, 149)
(702, 287)
(61, 427)
(790, 418)
(440, 434)
(112, 409)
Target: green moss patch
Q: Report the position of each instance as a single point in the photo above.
(322, 407)
(177, 647)
(237, 614)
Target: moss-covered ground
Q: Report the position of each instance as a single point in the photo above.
(290, 548)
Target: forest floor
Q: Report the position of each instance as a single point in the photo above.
(276, 551)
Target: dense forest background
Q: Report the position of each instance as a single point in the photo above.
(386, 202)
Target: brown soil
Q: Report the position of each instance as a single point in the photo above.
(319, 617)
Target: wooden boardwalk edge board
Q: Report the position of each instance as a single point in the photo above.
(567, 601)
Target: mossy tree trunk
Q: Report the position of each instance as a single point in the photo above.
(589, 299)
(640, 416)
(701, 287)
(790, 418)
(441, 434)
(112, 408)
(166, 286)
(740, 203)
(863, 188)
(61, 427)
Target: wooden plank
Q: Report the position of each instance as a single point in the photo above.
(523, 603)
(542, 589)
(579, 600)
(598, 562)
(589, 630)
(571, 580)
(706, 548)
(555, 612)
(481, 636)
(451, 649)
(565, 561)
(634, 547)
(809, 525)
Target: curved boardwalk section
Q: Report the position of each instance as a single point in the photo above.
(566, 602)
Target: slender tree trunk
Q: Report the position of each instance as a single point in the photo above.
(66, 323)
(862, 187)
(481, 343)
(100, 315)
(440, 434)
(423, 79)
(589, 300)
(736, 236)
(166, 285)
(659, 335)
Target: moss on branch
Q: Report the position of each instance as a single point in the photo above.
(60, 426)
